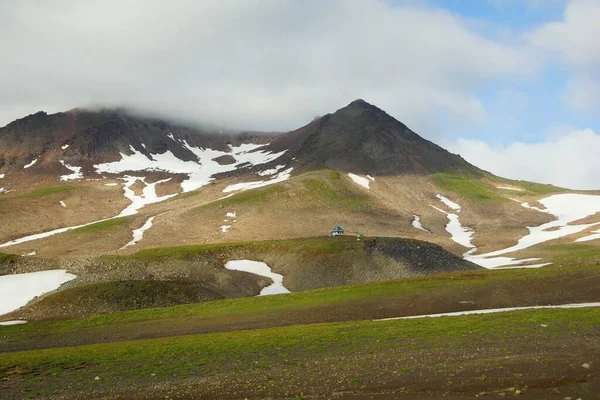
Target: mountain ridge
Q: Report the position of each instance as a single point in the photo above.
(358, 138)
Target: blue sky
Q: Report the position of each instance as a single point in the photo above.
(517, 14)
(538, 107)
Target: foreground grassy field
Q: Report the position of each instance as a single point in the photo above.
(467, 290)
(540, 354)
(324, 343)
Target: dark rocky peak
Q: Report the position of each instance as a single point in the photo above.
(361, 138)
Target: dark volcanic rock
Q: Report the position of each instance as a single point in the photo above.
(225, 160)
(420, 258)
(99, 136)
(361, 138)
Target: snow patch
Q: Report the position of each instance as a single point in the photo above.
(111, 184)
(1, 176)
(525, 266)
(272, 171)
(261, 269)
(231, 215)
(516, 189)
(458, 233)
(199, 172)
(138, 234)
(137, 202)
(225, 228)
(76, 172)
(15, 322)
(493, 311)
(18, 289)
(31, 163)
(62, 204)
(594, 236)
(526, 205)
(567, 208)
(280, 177)
(448, 202)
(416, 223)
(30, 254)
(148, 195)
(64, 146)
(371, 178)
(359, 180)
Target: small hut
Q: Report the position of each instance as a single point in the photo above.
(337, 231)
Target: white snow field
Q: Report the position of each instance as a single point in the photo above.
(371, 178)
(567, 208)
(493, 311)
(595, 235)
(225, 228)
(271, 171)
(280, 177)
(359, 180)
(448, 202)
(262, 269)
(15, 322)
(138, 234)
(148, 195)
(416, 223)
(458, 233)
(18, 289)
(30, 164)
(199, 173)
(76, 172)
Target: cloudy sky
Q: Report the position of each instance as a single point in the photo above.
(511, 85)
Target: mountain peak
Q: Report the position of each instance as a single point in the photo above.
(362, 138)
(366, 112)
(361, 104)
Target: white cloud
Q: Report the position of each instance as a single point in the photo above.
(266, 64)
(574, 41)
(569, 160)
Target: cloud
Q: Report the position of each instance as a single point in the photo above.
(568, 160)
(574, 43)
(268, 64)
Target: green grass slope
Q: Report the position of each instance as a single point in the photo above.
(305, 264)
(399, 359)
(47, 191)
(480, 289)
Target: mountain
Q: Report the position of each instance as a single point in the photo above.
(120, 228)
(363, 139)
(358, 138)
(86, 137)
(116, 197)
